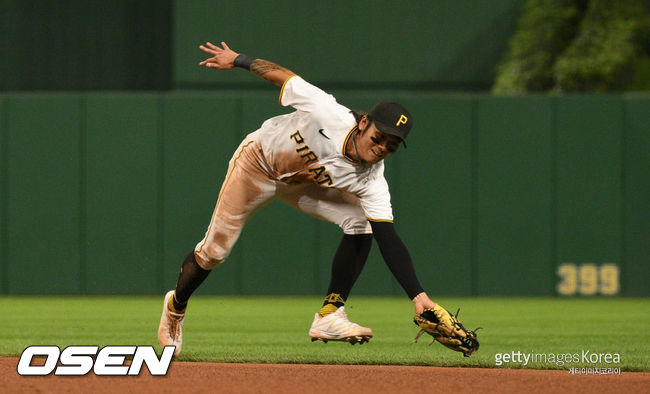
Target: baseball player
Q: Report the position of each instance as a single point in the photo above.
(322, 159)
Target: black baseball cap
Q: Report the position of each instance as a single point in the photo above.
(392, 118)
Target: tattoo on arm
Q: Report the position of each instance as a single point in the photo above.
(261, 67)
(270, 71)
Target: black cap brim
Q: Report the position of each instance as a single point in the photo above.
(389, 130)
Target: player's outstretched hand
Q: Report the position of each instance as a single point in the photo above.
(422, 302)
(222, 58)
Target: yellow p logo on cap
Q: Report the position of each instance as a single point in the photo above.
(402, 120)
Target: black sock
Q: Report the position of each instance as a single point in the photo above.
(348, 263)
(189, 279)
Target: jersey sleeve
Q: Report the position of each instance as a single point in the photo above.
(304, 96)
(375, 200)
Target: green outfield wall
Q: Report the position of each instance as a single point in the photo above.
(85, 44)
(153, 44)
(362, 44)
(105, 193)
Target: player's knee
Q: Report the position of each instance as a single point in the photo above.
(354, 225)
(210, 257)
(209, 264)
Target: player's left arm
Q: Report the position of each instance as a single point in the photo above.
(398, 259)
(225, 59)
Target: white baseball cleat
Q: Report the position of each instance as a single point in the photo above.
(170, 330)
(337, 327)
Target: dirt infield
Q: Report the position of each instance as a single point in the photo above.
(190, 377)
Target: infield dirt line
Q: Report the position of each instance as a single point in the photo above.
(195, 377)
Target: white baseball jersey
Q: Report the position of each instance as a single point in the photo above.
(308, 146)
(300, 158)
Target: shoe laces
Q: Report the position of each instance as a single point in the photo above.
(176, 323)
(344, 316)
(341, 313)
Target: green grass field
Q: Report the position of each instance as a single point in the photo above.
(274, 329)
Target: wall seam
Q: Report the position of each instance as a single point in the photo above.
(4, 191)
(83, 194)
(623, 207)
(554, 188)
(474, 149)
(160, 200)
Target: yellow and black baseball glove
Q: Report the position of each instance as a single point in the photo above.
(446, 329)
